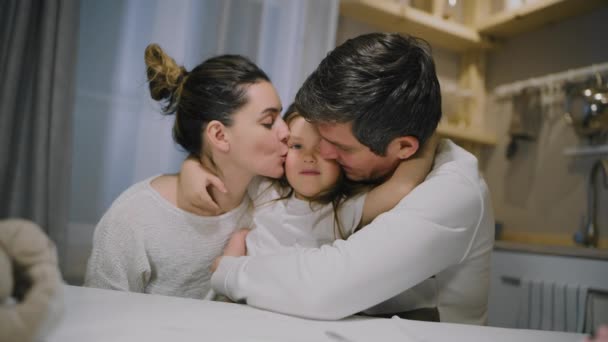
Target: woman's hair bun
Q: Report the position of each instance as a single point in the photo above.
(165, 77)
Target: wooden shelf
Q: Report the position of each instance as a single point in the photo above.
(393, 17)
(466, 134)
(534, 15)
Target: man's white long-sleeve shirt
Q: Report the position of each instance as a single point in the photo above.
(431, 250)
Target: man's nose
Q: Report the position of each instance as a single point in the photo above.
(327, 150)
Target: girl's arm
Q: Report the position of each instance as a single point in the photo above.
(406, 177)
(193, 181)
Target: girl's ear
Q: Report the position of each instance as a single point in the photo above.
(217, 136)
(406, 146)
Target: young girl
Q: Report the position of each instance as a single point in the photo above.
(153, 239)
(314, 204)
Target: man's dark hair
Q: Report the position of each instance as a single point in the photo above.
(385, 84)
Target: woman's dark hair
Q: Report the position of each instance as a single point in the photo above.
(385, 84)
(214, 90)
(337, 195)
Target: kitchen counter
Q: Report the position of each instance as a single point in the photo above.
(570, 251)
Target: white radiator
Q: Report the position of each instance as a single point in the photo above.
(546, 305)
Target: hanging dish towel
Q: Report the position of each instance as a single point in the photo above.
(526, 119)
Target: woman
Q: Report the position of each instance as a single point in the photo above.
(153, 239)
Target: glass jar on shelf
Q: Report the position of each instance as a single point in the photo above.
(453, 103)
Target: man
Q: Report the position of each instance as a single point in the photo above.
(376, 101)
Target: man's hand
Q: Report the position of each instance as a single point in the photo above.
(235, 247)
(194, 181)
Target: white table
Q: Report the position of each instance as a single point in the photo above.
(102, 315)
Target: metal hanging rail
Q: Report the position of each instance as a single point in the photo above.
(568, 75)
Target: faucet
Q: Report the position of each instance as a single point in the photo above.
(588, 234)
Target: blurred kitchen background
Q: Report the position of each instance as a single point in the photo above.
(525, 88)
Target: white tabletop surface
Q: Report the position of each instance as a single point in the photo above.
(101, 315)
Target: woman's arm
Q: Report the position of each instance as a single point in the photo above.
(409, 174)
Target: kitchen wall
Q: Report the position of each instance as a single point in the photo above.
(540, 190)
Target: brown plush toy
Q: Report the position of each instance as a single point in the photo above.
(30, 282)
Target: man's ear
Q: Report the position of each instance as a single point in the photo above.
(406, 146)
(217, 135)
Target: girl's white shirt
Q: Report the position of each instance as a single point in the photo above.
(296, 223)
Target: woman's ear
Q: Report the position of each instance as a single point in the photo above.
(406, 146)
(217, 136)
